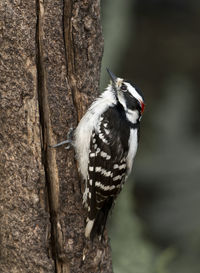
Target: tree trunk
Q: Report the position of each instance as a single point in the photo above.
(50, 67)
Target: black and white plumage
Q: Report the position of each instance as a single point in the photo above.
(106, 141)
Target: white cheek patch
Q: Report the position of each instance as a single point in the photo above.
(132, 115)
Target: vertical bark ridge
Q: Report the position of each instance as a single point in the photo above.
(70, 54)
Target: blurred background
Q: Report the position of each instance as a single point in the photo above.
(155, 44)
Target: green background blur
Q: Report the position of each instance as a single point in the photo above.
(155, 44)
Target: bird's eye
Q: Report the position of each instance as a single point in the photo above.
(124, 87)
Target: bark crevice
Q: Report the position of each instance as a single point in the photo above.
(48, 154)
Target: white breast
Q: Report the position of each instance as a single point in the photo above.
(133, 144)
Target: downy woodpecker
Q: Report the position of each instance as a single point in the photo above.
(106, 141)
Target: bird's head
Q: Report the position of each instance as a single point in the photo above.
(127, 95)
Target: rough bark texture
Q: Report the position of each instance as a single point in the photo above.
(50, 66)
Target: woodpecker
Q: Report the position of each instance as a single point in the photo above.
(106, 141)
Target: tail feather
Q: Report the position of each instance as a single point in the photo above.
(97, 226)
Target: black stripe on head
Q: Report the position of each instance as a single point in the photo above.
(131, 102)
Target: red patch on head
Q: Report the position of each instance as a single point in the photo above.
(142, 106)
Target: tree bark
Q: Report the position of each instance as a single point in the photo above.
(50, 65)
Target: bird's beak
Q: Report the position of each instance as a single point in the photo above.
(112, 76)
